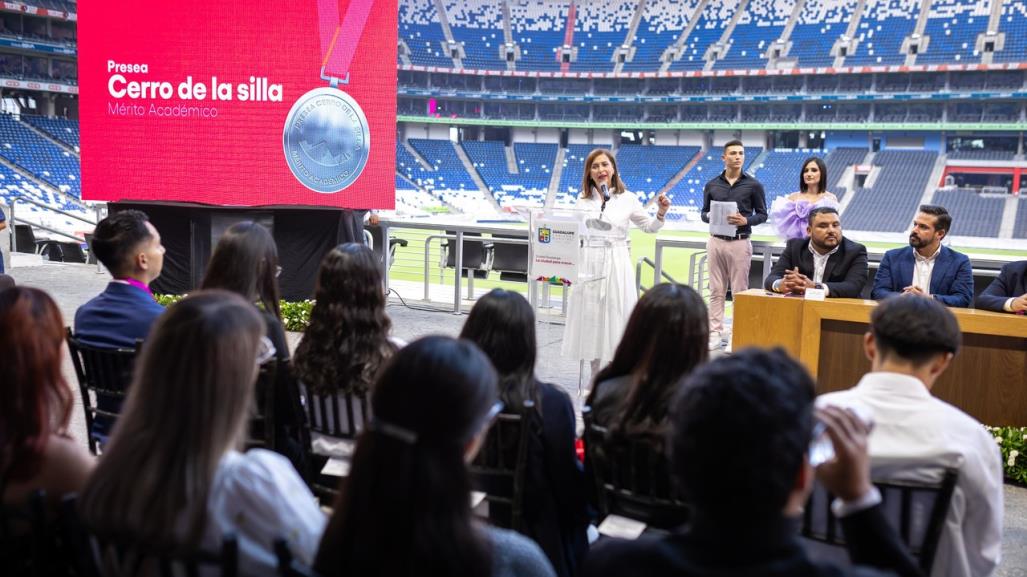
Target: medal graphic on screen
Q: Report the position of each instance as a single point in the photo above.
(326, 136)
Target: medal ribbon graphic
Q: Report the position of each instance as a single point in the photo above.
(335, 67)
(326, 138)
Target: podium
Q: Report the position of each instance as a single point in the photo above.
(570, 248)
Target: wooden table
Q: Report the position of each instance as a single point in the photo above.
(987, 379)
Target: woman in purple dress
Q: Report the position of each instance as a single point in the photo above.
(788, 213)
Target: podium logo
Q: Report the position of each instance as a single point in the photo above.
(545, 235)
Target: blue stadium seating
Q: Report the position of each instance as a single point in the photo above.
(62, 129)
(661, 24)
(529, 186)
(1020, 228)
(779, 171)
(478, 26)
(759, 26)
(820, 23)
(889, 206)
(883, 27)
(707, 31)
(419, 27)
(538, 28)
(449, 173)
(972, 214)
(1014, 25)
(647, 169)
(42, 158)
(953, 27)
(599, 28)
(999, 155)
(837, 161)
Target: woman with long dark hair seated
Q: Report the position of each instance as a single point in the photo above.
(172, 476)
(36, 450)
(666, 338)
(502, 324)
(405, 508)
(347, 341)
(245, 261)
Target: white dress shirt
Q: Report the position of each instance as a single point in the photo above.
(820, 262)
(923, 268)
(916, 435)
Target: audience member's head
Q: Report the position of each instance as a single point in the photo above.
(129, 246)
(824, 228)
(347, 341)
(502, 324)
(37, 401)
(930, 225)
(188, 405)
(741, 429)
(912, 334)
(245, 261)
(405, 508)
(6, 282)
(813, 175)
(666, 338)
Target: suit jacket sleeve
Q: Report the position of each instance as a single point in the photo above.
(873, 541)
(855, 277)
(784, 263)
(962, 293)
(998, 292)
(883, 280)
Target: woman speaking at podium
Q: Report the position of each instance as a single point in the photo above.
(601, 303)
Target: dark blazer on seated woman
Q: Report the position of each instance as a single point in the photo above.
(952, 280)
(1010, 284)
(845, 274)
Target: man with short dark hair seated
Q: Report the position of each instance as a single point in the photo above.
(825, 259)
(1008, 292)
(129, 246)
(910, 344)
(925, 267)
(741, 432)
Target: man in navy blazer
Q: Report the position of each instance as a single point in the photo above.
(1008, 292)
(129, 246)
(825, 259)
(925, 267)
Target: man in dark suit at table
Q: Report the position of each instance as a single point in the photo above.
(1008, 292)
(825, 259)
(739, 441)
(925, 267)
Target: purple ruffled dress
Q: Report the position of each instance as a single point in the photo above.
(789, 217)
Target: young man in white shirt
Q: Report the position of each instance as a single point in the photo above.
(910, 344)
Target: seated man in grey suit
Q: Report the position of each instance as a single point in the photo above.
(825, 259)
(1008, 292)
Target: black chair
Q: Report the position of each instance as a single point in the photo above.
(262, 417)
(917, 510)
(376, 235)
(29, 542)
(287, 565)
(25, 238)
(476, 254)
(338, 418)
(500, 467)
(511, 260)
(632, 477)
(104, 376)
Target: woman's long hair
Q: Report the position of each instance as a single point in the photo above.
(36, 401)
(502, 324)
(346, 343)
(587, 184)
(245, 261)
(822, 185)
(187, 406)
(666, 338)
(405, 507)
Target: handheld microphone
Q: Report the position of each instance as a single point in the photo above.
(605, 191)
